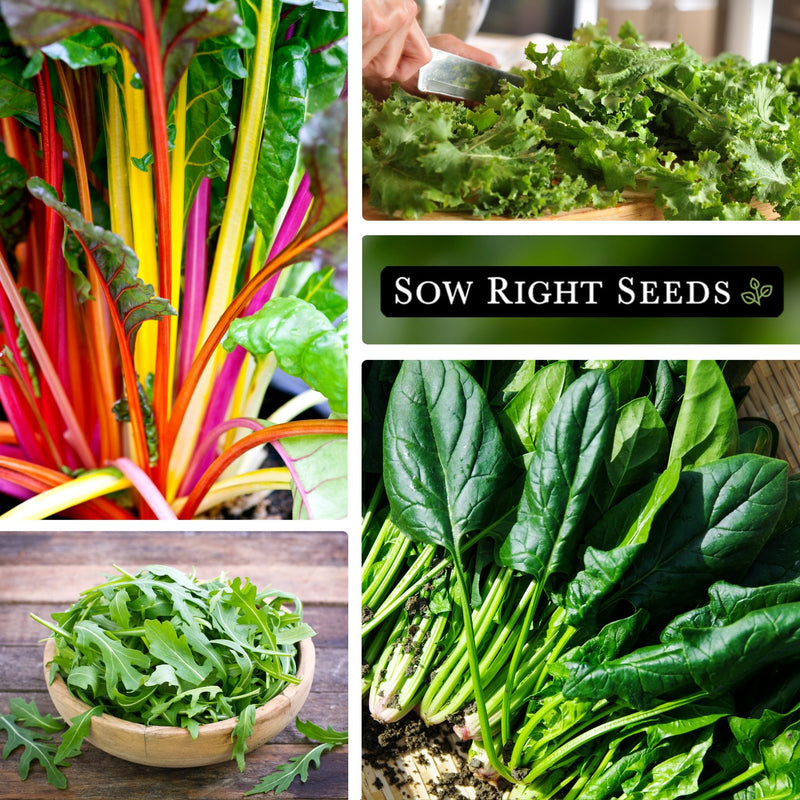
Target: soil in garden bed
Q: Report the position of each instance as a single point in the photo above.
(387, 748)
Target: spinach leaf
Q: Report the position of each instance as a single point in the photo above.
(573, 443)
(707, 427)
(445, 462)
(529, 407)
(639, 449)
(713, 526)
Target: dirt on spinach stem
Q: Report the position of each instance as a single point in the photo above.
(383, 744)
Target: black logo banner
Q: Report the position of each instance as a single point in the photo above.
(472, 291)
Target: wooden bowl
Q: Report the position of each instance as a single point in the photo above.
(165, 746)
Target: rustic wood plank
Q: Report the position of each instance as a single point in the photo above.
(44, 572)
(193, 547)
(41, 583)
(99, 776)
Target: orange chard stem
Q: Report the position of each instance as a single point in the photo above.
(97, 322)
(231, 312)
(284, 430)
(158, 140)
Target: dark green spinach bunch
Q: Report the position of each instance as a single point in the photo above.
(601, 117)
(160, 647)
(620, 550)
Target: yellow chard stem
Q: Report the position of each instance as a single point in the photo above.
(86, 487)
(227, 257)
(119, 197)
(177, 189)
(117, 161)
(142, 206)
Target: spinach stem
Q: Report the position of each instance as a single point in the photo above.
(480, 703)
(566, 749)
(722, 789)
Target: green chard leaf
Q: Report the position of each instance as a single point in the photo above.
(209, 89)
(319, 475)
(181, 25)
(306, 345)
(323, 140)
(14, 201)
(134, 300)
(280, 146)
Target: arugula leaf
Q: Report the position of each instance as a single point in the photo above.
(317, 734)
(166, 645)
(72, 740)
(121, 663)
(297, 766)
(36, 747)
(243, 728)
(27, 713)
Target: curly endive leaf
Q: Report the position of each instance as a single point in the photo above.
(134, 300)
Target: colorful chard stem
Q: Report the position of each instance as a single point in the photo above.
(63, 443)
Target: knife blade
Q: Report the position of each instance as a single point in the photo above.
(449, 75)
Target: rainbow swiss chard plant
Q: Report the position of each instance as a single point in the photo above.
(172, 232)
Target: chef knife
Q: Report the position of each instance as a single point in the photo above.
(449, 75)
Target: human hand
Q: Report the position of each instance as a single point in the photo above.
(380, 86)
(452, 44)
(394, 46)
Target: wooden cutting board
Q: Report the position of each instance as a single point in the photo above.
(633, 209)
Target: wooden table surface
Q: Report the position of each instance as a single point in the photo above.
(43, 572)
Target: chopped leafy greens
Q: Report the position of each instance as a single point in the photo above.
(600, 122)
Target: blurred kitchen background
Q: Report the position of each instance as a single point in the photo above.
(757, 29)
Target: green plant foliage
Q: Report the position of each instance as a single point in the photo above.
(601, 117)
